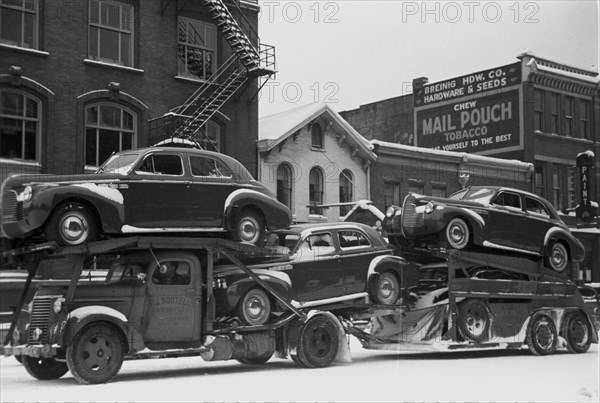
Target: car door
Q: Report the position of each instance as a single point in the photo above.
(316, 272)
(211, 183)
(506, 220)
(355, 257)
(538, 223)
(157, 192)
(172, 308)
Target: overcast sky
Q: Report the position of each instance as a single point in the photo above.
(353, 52)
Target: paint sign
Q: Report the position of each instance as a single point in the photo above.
(474, 125)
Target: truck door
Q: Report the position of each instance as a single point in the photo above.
(173, 301)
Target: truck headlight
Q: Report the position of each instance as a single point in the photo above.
(57, 306)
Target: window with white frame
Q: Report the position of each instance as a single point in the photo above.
(111, 32)
(20, 22)
(20, 125)
(197, 49)
(316, 136)
(315, 190)
(108, 128)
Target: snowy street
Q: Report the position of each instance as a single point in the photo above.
(500, 375)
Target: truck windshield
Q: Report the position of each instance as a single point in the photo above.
(119, 164)
(127, 269)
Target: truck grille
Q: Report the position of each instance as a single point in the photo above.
(10, 206)
(40, 316)
(410, 217)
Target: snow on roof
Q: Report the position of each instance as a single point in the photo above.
(587, 153)
(453, 154)
(277, 127)
(549, 66)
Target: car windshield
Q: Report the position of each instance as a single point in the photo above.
(481, 195)
(119, 164)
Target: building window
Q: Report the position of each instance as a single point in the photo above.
(554, 113)
(111, 32)
(415, 187)
(346, 190)
(20, 21)
(538, 110)
(584, 116)
(438, 191)
(391, 194)
(556, 188)
(20, 123)
(540, 188)
(284, 185)
(315, 191)
(210, 137)
(197, 49)
(317, 135)
(569, 110)
(108, 128)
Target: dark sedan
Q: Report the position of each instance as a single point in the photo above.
(149, 190)
(493, 217)
(328, 263)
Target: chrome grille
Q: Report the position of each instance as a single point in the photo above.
(9, 206)
(40, 316)
(410, 217)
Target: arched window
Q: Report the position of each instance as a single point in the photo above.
(284, 185)
(108, 128)
(315, 190)
(20, 125)
(346, 190)
(317, 136)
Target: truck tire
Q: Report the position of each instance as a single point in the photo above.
(473, 320)
(254, 307)
(577, 331)
(542, 337)
(44, 368)
(319, 343)
(96, 354)
(72, 224)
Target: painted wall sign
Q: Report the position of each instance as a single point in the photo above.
(479, 124)
(472, 84)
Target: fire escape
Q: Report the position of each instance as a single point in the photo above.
(250, 60)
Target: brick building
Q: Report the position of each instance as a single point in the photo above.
(81, 79)
(311, 157)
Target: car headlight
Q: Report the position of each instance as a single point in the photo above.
(392, 211)
(429, 207)
(58, 304)
(26, 194)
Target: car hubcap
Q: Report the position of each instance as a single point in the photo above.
(558, 257)
(249, 229)
(74, 228)
(386, 289)
(255, 307)
(96, 353)
(457, 234)
(578, 333)
(475, 324)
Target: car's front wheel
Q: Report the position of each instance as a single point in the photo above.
(558, 257)
(72, 224)
(458, 233)
(249, 228)
(387, 290)
(254, 307)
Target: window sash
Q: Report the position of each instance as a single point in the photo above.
(27, 128)
(28, 24)
(190, 49)
(97, 130)
(100, 34)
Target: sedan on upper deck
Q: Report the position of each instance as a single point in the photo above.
(489, 216)
(148, 190)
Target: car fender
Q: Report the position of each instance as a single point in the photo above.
(107, 201)
(280, 282)
(81, 317)
(276, 214)
(576, 249)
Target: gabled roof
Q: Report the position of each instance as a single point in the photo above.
(275, 129)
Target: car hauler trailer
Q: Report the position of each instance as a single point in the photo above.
(487, 301)
(89, 326)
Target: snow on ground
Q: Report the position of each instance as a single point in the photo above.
(373, 376)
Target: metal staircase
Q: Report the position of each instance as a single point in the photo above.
(250, 60)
